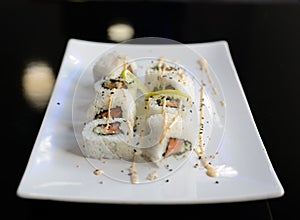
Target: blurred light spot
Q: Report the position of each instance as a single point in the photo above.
(38, 81)
(120, 32)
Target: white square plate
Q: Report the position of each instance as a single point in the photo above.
(57, 170)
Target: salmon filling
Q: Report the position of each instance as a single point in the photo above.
(170, 102)
(114, 113)
(177, 146)
(108, 129)
(114, 84)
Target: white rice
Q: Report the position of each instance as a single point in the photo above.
(155, 105)
(117, 146)
(179, 80)
(147, 127)
(110, 65)
(98, 87)
(156, 137)
(106, 98)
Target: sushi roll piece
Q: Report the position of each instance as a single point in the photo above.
(110, 65)
(165, 77)
(108, 140)
(112, 103)
(162, 102)
(104, 66)
(110, 84)
(113, 84)
(165, 137)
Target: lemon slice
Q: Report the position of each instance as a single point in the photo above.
(130, 78)
(167, 91)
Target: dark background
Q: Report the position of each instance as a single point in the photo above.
(264, 39)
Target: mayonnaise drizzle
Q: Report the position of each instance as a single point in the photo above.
(164, 111)
(133, 171)
(110, 99)
(204, 67)
(200, 151)
(215, 90)
(174, 120)
(128, 123)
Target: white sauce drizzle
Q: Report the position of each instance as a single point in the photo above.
(174, 120)
(110, 99)
(152, 175)
(215, 90)
(133, 171)
(200, 151)
(164, 112)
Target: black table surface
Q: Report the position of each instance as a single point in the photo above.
(264, 40)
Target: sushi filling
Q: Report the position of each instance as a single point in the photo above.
(114, 84)
(114, 113)
(157, 88)
(170, 102)
(177, 146)
(108, 129)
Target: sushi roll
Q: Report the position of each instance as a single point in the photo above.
(105, 65)
(166, 77)
(110, 65)
(113, 84)
(108, 140)
(155, 114)
(161, 102)
(112, 103)
(166, 138)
